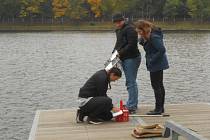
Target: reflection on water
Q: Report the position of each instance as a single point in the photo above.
(46, 70)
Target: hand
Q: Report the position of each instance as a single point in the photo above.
(118, 55)
(115, 109)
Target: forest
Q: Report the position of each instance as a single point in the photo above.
(83, 10)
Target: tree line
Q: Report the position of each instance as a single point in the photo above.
(104, 9)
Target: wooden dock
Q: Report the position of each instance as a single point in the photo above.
(61, 125)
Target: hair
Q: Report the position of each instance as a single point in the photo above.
(144, 25)
(116, 71)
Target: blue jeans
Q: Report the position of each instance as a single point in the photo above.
(130, 68)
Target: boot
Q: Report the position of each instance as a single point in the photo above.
(163, 110)
(156, 112)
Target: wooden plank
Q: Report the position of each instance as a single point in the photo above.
(61, 125)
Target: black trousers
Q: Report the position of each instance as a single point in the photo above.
(158, 87)
(98, 108)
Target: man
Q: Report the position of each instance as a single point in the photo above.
(127, 47)
(93, 100)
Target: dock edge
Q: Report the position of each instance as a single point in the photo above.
(32, 134)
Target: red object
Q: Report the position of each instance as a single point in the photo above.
(125, 116)
(121, 104)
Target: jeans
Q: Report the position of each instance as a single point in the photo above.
(130, 68)
(158, 87)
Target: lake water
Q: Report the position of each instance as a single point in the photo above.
(45, 71)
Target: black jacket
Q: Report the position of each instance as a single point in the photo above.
(126, 44)
(97, 85)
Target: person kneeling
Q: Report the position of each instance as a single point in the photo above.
(93, 99)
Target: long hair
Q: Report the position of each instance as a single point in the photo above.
(145, 26)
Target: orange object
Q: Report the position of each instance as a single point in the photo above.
(125, 116)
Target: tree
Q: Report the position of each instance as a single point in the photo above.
(9, 8)
(95, 6)
(183, 9)
(30, 8)
(84, 9)
(199, 8)
(170, 8)
(46, 9)
(60, 7)
(110, 7)
(157, 7)
(76, 9)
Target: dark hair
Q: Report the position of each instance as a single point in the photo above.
(116, 71)
(118, 17)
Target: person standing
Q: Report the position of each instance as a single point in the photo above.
(127, 47)
(156, 60)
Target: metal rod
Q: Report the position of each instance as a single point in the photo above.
(139, 115)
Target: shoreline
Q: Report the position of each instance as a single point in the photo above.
(96, 30)
(100, 27)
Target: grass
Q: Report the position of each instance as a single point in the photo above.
(97, 26)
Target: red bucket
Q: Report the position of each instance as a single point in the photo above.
(125, 116)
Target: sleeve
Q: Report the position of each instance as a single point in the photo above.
(132, 39)
(115, 47)
(157, 43)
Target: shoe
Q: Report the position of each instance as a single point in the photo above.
(79, 116)
(94, 121)
(132, 111)
(163, 110)
(155, 112)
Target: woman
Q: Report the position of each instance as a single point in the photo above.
(156, 60)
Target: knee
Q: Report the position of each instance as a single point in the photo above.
(108, 103)
(155, 83)
(161, 85)
(105, 100)
(108, 100)
(131, 83)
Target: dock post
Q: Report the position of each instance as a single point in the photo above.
(175, 136)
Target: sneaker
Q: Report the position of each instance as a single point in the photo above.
(79, 116)
(94, 121)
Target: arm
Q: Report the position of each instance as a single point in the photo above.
(132, 39)
(115, 47)
(157, 43)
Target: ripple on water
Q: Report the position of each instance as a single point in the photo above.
(46, 70)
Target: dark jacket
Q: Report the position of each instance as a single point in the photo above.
(97, 85)
(127, 42)
(156, 58)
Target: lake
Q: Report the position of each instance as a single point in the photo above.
(44, 70)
